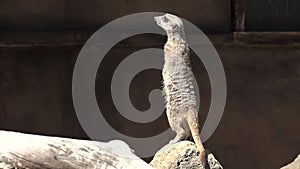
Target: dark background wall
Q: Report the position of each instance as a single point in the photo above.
(260, 125)
(272, 15)
(36, 15)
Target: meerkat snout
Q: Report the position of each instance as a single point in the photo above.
(161, 21)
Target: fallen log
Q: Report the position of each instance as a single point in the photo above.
(19, 150)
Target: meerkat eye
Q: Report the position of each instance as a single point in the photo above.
(165, 19)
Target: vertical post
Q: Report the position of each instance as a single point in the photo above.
(239, 15)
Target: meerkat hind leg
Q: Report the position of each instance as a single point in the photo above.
(182, 132)
(193, 123)
(180, 135)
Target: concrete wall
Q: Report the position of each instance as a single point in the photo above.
(41, 15)
(272, 15)
(259, 129)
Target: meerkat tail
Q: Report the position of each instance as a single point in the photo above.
(193, 124)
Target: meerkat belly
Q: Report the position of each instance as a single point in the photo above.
(179, 87)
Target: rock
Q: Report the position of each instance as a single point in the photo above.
(182, 155)
(294, 165)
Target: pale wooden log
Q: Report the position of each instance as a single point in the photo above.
(19, 150)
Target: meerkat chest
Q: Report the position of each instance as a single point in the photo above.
(177, 76)
(177, 61)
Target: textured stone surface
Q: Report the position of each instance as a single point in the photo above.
(182, 155)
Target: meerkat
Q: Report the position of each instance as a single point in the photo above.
(178, 86)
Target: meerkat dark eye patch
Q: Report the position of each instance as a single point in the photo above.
(165, 19)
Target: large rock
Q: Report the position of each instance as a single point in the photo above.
(294, 165)
(182, 155)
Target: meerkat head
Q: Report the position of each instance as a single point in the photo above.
(172, 24)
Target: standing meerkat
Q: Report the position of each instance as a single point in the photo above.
(179, 89)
